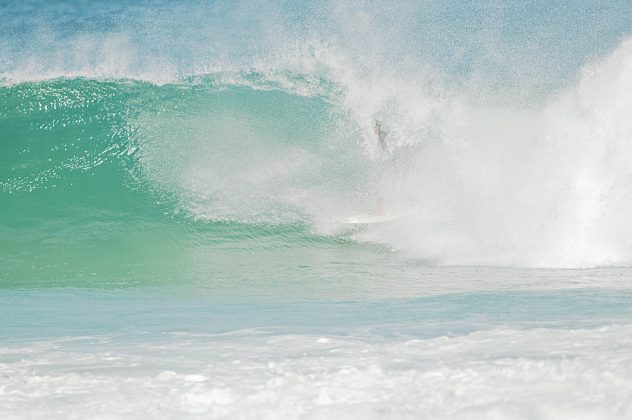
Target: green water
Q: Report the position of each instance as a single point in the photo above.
(94, 188)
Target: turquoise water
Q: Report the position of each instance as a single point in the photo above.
(175, 179)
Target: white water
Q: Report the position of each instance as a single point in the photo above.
(545, 186)
(496, 374)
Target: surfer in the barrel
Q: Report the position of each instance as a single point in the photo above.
(381, 135)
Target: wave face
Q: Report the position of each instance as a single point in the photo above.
(88, 165)
(179, 125)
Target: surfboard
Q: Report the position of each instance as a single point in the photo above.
(370, 219)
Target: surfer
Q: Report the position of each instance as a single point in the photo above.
(378, 181)
(381, 135)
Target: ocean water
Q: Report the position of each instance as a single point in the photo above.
(175, 179)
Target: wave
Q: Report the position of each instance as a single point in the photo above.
(519, 167)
